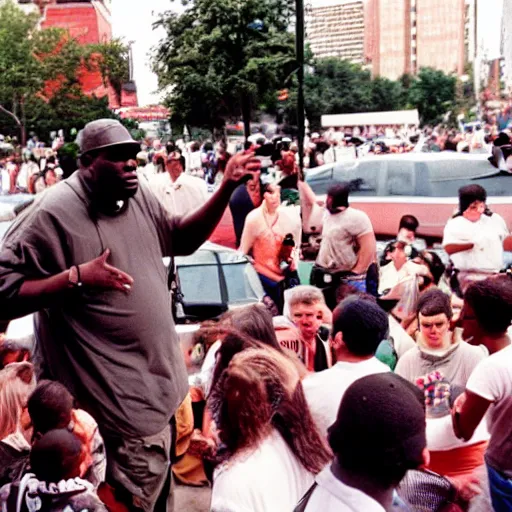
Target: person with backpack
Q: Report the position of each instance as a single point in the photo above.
(54, 484)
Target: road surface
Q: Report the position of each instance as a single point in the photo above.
(192, 499)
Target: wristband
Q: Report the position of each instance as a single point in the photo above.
(74, 277)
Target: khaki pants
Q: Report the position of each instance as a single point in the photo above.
(139, 470)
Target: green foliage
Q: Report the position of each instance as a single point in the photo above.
(223, 58)
(67, 110)
(433, 93)
(334, 86)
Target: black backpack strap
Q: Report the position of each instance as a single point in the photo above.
(303, 503)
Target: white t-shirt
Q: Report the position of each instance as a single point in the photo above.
(184, 195)
(332, 495)
(338, 249)
(324, 390)
(268, 479)
(487, 234)
(441, 437)
(492, 380)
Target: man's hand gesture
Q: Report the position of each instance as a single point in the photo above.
(98, 273)
(241, 168)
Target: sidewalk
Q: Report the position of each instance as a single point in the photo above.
(192, 499)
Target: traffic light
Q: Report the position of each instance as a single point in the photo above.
(282, 95)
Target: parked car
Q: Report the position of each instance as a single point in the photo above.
(211, 281)
(421, 184)
(10, 206)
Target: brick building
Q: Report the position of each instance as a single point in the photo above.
(88, 22)
(402, 36)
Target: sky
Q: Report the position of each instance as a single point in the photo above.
(132, 20)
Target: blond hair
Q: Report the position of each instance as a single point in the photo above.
(304, 294)
(17, 381)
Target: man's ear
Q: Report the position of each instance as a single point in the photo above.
(26, 373)
(337, 342)
(426, 457)
(86, 160)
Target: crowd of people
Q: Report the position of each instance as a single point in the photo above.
(381, 385)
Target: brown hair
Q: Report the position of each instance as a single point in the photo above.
(261, 391)
(256, 321)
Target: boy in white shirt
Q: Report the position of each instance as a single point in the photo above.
(378, 436)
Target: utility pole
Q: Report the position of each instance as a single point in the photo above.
(299, 38)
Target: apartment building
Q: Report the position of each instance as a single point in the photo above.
(335, 28)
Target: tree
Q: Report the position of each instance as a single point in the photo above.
(21, 71)
(433, 93)
(67, 110)
(39, 70)
(387, 95)
(221, 59)
(112, 60)
(336, 86)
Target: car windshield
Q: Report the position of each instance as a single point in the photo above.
(218, 276)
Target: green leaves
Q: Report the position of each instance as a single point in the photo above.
(433, 93)
(334, 86)
(221, 55)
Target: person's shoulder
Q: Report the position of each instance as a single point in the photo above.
(158, 180)
(496, 217)
(254, 216)
(192, 181)
(410, 357)
(319, 379)
(478, 352)
(503, 358)
(457, 222)
(53, 203)
(377, 366)
(356, 215)
(498, 220)
(52, 198)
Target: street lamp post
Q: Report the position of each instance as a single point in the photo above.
(300, 77)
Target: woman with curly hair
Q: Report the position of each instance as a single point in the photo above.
(271, 448)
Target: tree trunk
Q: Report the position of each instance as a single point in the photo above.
(246, 116)
(21, 127)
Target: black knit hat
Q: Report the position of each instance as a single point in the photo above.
(469, 194)
(380, 428)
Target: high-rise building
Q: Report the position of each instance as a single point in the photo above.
(402, 36)
(335, 28)
(394, 46)
(506, 45)
(440, 28)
